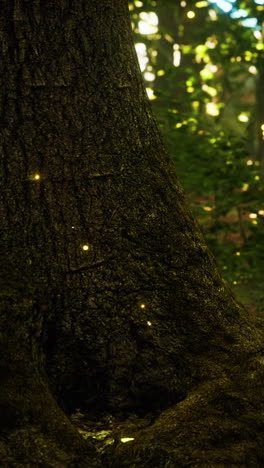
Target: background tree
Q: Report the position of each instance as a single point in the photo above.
(108, 270)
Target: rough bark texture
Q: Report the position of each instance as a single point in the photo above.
(128, 301)
(219, 424)
(33, 429)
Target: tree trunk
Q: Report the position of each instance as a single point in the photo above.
(127, 299)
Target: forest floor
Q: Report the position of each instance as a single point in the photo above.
(106, 431)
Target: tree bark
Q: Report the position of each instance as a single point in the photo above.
(128, 302)
(33, 429)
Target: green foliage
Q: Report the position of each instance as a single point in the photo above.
(206, 109)
(226, 192)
